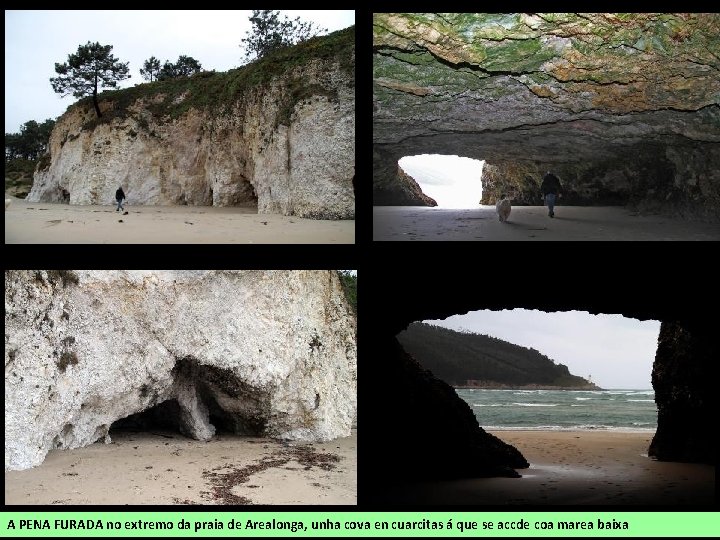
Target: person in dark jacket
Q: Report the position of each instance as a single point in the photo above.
(550, 188)
(119, 196)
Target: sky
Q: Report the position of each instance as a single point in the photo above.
(453, 181)
(617, 351)
(36, 40)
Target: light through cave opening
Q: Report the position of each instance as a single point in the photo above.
(453, 181)
(527, 369)
(601, 466)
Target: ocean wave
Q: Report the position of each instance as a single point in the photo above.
(582, 427)
(583, 398)
(536, 404)
(491, 405)
(650, 400)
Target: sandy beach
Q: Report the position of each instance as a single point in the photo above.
(532, 223)
(167, 468)
(51, 223)
(572, 468)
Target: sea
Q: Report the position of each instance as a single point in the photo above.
(562, 410)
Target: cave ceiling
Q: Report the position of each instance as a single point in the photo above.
(551, 87)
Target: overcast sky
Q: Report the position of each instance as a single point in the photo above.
(454, 182)
(36, 40)
(617, 351)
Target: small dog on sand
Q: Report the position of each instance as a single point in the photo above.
(503, 208)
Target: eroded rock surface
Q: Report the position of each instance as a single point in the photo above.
(279, 133)
(259, 352)
(622, 107)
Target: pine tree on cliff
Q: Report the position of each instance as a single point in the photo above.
(269, 33)
(91, 65)
(150, 69)
(184, 67)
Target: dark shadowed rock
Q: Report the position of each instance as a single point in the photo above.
(436, 435)
(683, 393)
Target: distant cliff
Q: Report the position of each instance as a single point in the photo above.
(279, 133)
(465, 359)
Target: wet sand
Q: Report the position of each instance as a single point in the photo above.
(532, 223)
(573, 468)
(54, 223)
(167, 468)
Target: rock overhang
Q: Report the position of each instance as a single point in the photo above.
(271, 352)
(577, 92)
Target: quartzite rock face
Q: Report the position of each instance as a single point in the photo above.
(287, 144)
(264, 352)
(622, 107)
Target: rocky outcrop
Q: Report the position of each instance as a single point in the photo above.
(415, 196)
(402, 190)
(257, 352)
(279, 133)
(683, 393)
(622, 107)
(440, 438)
(429, 431)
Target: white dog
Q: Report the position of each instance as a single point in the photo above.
(7, 203)
(503, 208)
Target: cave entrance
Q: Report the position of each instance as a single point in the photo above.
(166, 417)
(208, 401)
(453, 181)
(530, 370)
(163, 417)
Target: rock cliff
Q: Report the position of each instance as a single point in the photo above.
(622, 107)
(279, 133)
(257, 352)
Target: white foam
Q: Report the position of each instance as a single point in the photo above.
(584, 427)
(536, 404)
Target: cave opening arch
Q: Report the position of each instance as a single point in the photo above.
(203, 401)
(418, 408)
(452, 181)
(532, 371)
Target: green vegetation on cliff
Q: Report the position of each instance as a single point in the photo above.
(218, 92)
(19, 176)
(349, 285)
(459, 357)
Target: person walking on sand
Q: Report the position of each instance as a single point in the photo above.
(550, 189)
(119, 196)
